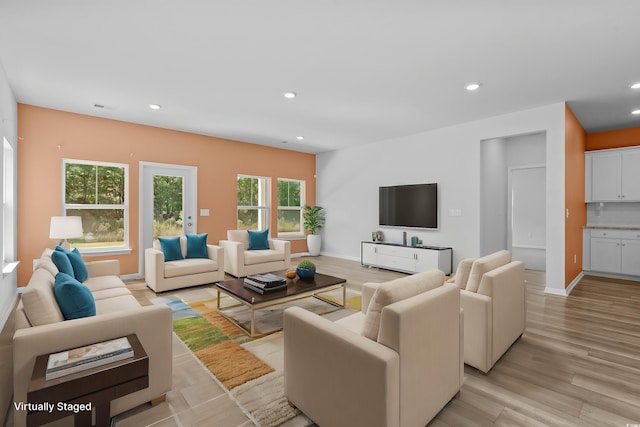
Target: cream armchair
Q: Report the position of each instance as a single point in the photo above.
(493, 297)
(402, 377)
(239, 261)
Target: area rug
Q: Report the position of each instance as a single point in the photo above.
(230, 355)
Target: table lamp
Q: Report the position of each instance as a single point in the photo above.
(65, 227)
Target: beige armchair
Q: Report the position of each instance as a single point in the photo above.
(493, 297)
(338, 376)
(161, 275)
(239, 261)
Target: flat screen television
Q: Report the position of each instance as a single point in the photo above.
(409, 206)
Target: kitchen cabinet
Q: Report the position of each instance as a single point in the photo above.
(613, 175)
(613, 251)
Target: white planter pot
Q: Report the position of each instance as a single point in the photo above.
(314, 241)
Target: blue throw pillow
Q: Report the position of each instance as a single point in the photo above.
(171, 248)
(80, 271)
(74, 298)
(258, 240)
(197, 246)
(61, 261)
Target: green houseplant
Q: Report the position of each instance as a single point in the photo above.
(313, 220)
(306, 269)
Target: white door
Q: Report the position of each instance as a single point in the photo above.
(168, 202)
(527, 211)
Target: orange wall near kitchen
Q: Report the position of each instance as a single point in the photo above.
(575, 143)
(613, 139)
(47, 136)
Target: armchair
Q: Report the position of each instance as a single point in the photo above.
(403, 377)
(162, 275)
(493, 297)
(239, 261)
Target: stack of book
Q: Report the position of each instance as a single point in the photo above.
(79, 359)
(263, 283)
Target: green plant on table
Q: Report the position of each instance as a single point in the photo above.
(306, 264)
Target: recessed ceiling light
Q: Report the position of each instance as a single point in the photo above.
(289, 95)
(635, 112)
(98, 105)
(300, 138)
(155, 106)
(472, 86)
(635, 86)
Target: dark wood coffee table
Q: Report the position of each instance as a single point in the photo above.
(296, 289)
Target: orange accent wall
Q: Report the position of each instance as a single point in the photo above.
(48, 136)
(613, 139)
(575, 143)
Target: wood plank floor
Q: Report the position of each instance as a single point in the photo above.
(577, 364)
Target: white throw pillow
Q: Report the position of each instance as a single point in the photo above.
(394, 291)
(484, 265)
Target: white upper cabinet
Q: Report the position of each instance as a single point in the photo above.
(613, 175)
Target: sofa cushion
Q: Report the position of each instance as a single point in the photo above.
(74, 298)
(394, 291)
(118, 303)
(258, 240)
(484, 265)
(80, 270)
(48, 265)
(191, 266)
(39, 300)
(258, 257)
(171, 248)
(241, 236)
(197, 246)
(110, 293)
(62, 262)
(100, 283)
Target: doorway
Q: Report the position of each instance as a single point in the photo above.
(168, 202)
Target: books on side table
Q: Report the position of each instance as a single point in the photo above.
(263, 283)
(91, 356)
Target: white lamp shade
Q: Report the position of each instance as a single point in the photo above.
(65, 227)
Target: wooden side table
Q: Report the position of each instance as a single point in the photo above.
(96, 387)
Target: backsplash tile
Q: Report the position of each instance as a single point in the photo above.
(619, 214)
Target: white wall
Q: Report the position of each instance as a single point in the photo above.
(348, 181)
(8, 289)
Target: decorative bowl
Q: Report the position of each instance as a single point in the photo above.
(291, 274)
(306, 273)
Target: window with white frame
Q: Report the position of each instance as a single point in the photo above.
(290, 203)
(8, 203)
(97, 192)
(253, 203)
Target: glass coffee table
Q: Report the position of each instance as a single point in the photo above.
(296, 289)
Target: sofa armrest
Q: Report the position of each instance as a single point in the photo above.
(152, 324)
(233, 256)
(368, 289)
(216, 253)
(153, 267)
(477, 329)
(327, 366)
(107, 267)
(282, 246)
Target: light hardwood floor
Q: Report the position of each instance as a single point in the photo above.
(577, 364)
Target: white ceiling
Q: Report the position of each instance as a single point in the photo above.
(364, 70)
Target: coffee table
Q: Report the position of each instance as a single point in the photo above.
(296, 289)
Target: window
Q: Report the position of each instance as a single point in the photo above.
(8, 204)
(253, 203)
(290, 202)
(97, 192)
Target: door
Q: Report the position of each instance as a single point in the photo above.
(168, 201)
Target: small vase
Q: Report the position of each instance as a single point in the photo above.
(306, 273)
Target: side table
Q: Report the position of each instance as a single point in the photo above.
(93, 388)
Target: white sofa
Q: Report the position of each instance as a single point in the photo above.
(42, 329)
(239, 261)
(494, 298)
(400, 374)
(161, 275)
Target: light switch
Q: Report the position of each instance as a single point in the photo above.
(204, 212)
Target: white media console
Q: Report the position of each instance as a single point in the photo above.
(407, 259)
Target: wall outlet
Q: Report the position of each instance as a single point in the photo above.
(204, 212)
(455, 212)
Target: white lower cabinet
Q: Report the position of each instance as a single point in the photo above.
(407, 259)
(614, 251)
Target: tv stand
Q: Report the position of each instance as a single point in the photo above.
(406, 259)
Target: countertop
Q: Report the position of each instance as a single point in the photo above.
(612, 227)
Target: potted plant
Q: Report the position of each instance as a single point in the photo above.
(313, 220)
(306, 269)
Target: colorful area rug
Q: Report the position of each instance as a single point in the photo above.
(221, 347)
